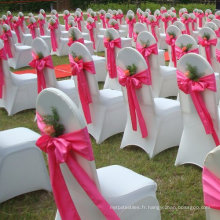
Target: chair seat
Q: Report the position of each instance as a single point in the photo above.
(23, 47)
(98, 58)
(164, 106)
(10, 139)
(120, 185)
(168, 71)
(66, 84)
(21, 79)
(109, 96)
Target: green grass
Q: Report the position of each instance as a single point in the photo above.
(177, 186)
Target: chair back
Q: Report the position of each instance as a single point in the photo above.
(40, 46)
(72, 120)
(180, 25)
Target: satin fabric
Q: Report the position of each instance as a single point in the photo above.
(2, 81)
(6, 38)
(180, 53)
(60, 150)
(132, 83)
(40, 65)
(71, 41)
(78, 69)
(171, 41)
(41, 26)
(90, 27)
(52, 29)
(194, 88)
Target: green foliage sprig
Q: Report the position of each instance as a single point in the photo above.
(172, 33)
(53, 126)
(131, 70)
(206, 36)
(192, 72)
(145, 44)
(186, 48)
(109, 36)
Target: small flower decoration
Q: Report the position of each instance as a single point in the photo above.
(130, 17)
(71, 23)
(40, 17)
(53, 126)
(109, 36)
(4, 17)
(42, 11)
(76, 58)
(52, 21)
(66, 12)
(32, 20)
(131, 70)
(53, 12)
(5, 27)
(30, 15)
(39, 56)
(14, 19)
(20, 15)
(8, 13)
(186, 48)
(172, 34)
(192, 72)
(206, 36)
(72, 35)
(145, 44)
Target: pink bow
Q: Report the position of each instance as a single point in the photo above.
(171, 41)
(15, 26)
(78, 69)
(120, 16)
(186, 22)
(159, 17)
(165, 21)
(217, 32)
(65, 17)
(217, 17)
(62, 149)
(180, 52)
(21, 22)
(41, 26)
(110, 47)
(102, 17)
(71, 41)
(90, 27)
(211, 186)
(52, 29)
(5, 37)
(32, 27)
(153, 24)
(2, 81)
(132, 83)
(163, 11)
(39, 65)
(78, 20)
(207, 44)
(194, 88)
(130, 26)
(9, 17)
(173, 19)
(200, 17)
(135, 35)
(146, 52)
(115, 26)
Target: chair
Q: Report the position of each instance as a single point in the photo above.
(67, 86)
(21, 53)
(162, 117)
(112, 83)
(208, 31)
(138, 28)
(118, 185)
(175, 32)
(195, 143)
(211, 166)
(22, 166)
(19, 91)
(163, 77)
(181, 26)
(107, 107)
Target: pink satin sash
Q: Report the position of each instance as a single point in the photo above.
(32, 28)
(211, 189)
(78, 20)
(165, 21)
(132, 83)
(52, 29)
(194, 88)
(193, 22)
(62, 149)
(116, 26)
(120, 16)
(41, 26)
(78, 69)
(39, 65)
(146, 52)
(90, 27)
(217, 17)
(180, 53)
(16, 29)
(207, 44)
(6, 38)
(102, 17)
(21, 22)
(110, 48)
(65, 17)
(200, 17)
(135, 35)
(186, 22)
(171, 42)
(217, 51)
(217, 32)
(173, 19)
(130, 26)
(2, 81)
(71, 41)
(9, 18)
(153, 26)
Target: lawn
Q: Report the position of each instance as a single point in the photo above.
(177, 186)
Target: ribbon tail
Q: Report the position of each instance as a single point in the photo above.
(91, 190)
(41, 83)
(62, 197)
(173, 54)
(208, 54)
(140, 116)
(1, 79)
(111, 62)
